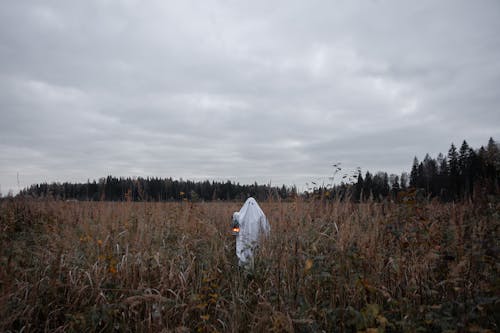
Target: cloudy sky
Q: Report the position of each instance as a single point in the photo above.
(241, 90)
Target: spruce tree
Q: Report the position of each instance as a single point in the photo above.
(414, 173)
(463, 169)
(453, 170)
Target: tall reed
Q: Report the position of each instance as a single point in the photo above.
(332, 266)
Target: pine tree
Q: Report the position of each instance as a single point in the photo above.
(430, 171)
(493, 165)
(443, 177)
(453, 170)
(414, 173)
(367, 186)
(464, 169)
(420, 176)
(463, 158)
(358, 188)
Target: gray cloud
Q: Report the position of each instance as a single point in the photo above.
(247, 92)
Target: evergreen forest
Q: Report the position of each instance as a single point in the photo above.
(463, 173)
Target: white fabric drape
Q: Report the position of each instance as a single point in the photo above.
(253, 223)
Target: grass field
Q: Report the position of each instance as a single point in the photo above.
(171, 267)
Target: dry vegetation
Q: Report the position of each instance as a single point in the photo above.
(171, 267)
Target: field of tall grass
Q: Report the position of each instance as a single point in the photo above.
(171, 267)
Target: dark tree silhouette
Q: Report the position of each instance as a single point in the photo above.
(463, 174)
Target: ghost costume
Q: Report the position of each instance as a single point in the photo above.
(252, 222)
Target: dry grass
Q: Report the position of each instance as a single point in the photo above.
(171, 267)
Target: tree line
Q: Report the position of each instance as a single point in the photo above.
(154, 189)
(461, 174)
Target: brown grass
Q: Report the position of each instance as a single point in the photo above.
(171, 267)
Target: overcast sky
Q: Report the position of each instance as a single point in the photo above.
(264, 91)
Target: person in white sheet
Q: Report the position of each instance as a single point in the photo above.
(252, 223)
